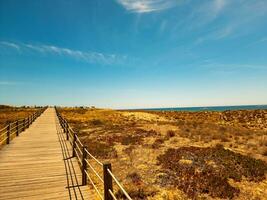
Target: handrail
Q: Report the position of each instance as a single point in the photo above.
(88, 176)
(3, 128)
(100, 178)
(93, 157)
(12, 133)
(3, 133)
(78, 140)
(20, 125)
(120, 186)
(79, 149)
(3, 140)
(111, 193)
(12, 123)
(15, 127)
(81, 152)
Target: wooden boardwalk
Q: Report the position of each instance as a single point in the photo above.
(38, 164)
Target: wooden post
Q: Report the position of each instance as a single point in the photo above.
(24, 123)
(28, 125)
(67, 131)
(74, 145)
(8, 134)
(107, 181)
(17, 128)
(64, 126)
(84, 167)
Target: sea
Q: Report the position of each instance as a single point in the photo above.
(209, 108)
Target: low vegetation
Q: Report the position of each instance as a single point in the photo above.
(197, 170)
(10, 114)
(179, 155)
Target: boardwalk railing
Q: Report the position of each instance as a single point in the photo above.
(13, 129)
(82, 154)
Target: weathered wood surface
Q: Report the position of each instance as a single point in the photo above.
(37, 164)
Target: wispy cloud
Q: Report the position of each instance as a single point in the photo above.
(205, 12)
(146, 6)
(217, 6)
(89, 57)
(10, 44)
(260, 41)
(241, 17)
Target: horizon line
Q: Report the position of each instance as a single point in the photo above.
(135, 108)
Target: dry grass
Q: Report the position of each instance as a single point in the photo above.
(9, 114)
(136, 143)
(207, 170)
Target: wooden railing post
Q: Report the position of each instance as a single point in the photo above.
(84, 167)
(74, 145)
(17, 128)
(107, 181)
(8, 134)
(28, 124)
(67, 131)
(24, 124)
(63, 125)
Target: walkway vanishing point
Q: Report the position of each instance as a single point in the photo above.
(38, 164)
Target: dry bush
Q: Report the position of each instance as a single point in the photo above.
(264, 152)
(210, 170)
(135, 178)
(137, 136)
(157, 143)
(100, 149)
(170, 134)
(131, 139)
(136, 193)
(224, 139)
(129, 149)
(96, 122)
(263, 141)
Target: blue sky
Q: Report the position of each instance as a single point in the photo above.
(133, 54)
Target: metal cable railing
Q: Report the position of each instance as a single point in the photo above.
(82, 154)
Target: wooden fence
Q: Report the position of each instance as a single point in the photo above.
(82, 154)
(13, 129)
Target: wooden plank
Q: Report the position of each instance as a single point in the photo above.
(34, 165)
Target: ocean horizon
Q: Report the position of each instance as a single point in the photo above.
(208, 108)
